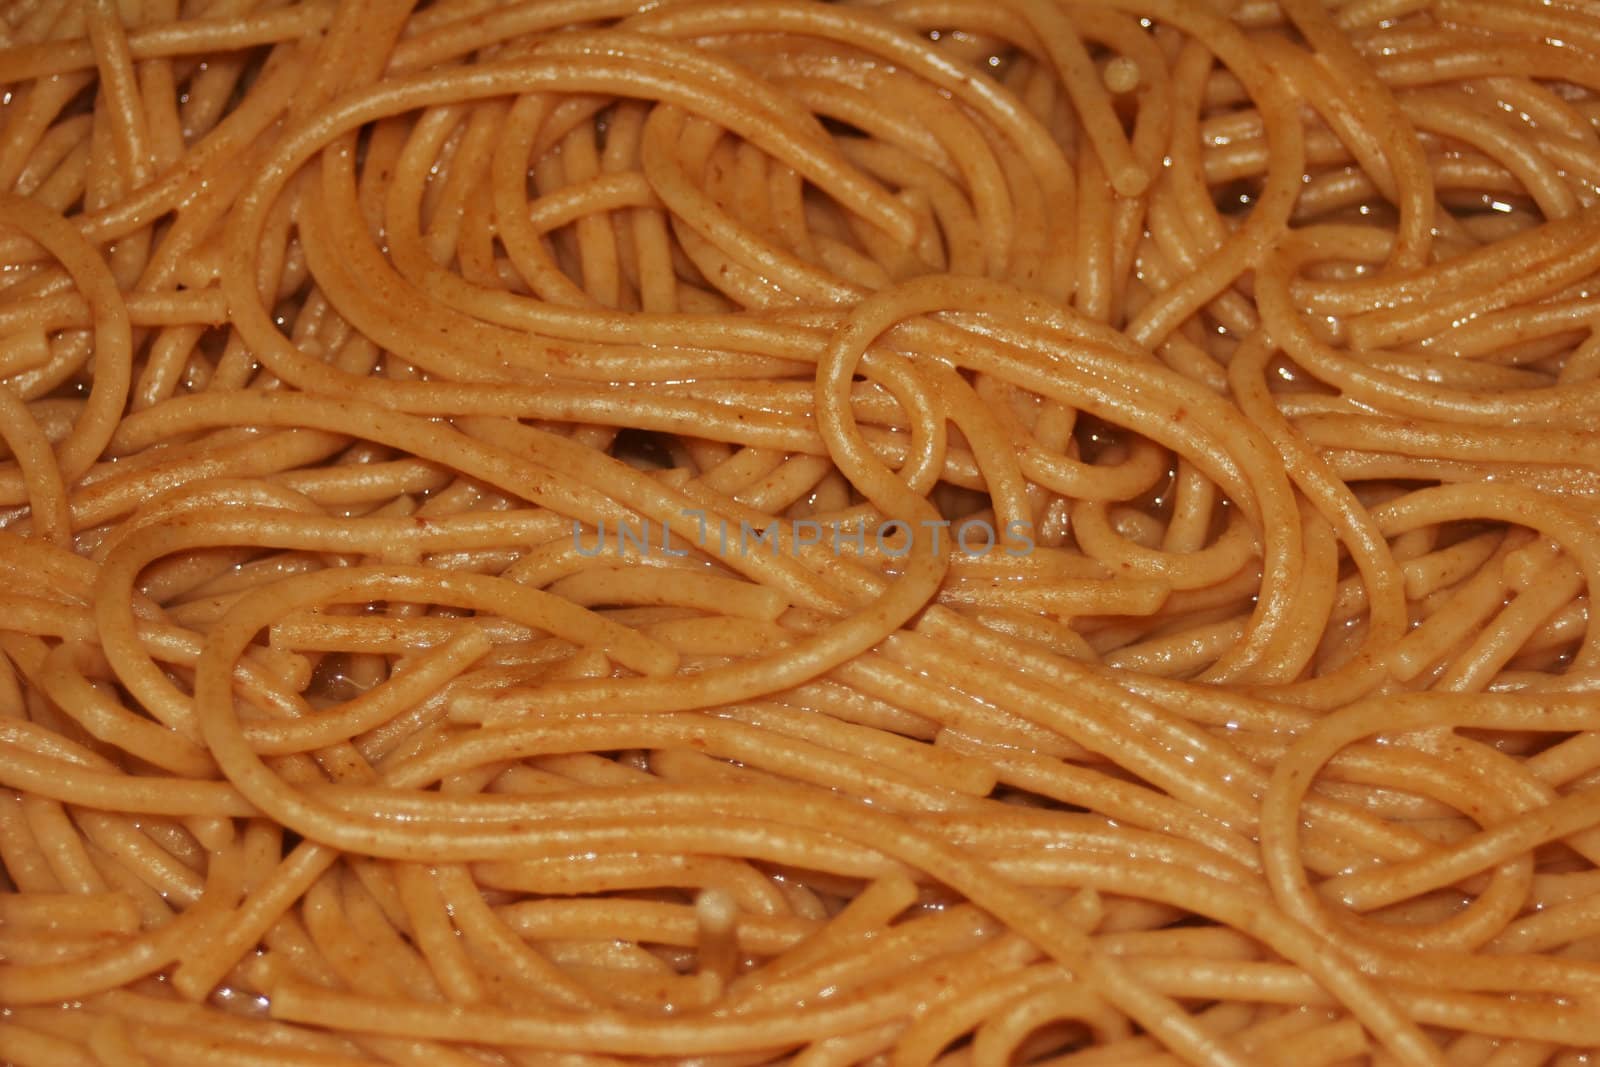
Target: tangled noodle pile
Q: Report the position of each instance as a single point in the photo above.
(934, 531)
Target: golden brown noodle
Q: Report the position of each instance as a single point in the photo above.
(899, 532)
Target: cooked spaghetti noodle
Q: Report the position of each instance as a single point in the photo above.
(900, 532)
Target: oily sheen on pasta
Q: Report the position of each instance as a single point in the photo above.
(963, 532)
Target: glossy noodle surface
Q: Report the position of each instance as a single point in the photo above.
(963, 532)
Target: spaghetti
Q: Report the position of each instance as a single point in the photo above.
(891, 532)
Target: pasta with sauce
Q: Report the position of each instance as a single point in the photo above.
(898, 532)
